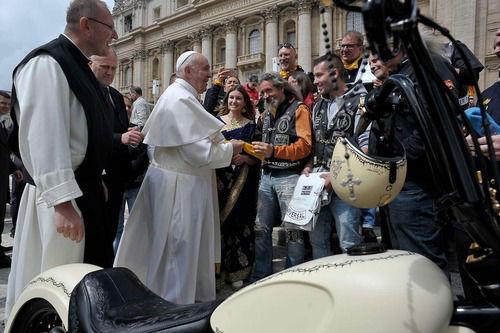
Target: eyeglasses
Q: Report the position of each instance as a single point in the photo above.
(349, 46)
(112, 28)
(286, 46)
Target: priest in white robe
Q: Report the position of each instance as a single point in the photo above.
(64, 138)
(172, 239)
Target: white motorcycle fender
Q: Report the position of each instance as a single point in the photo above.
(390, 292)
(55, 286)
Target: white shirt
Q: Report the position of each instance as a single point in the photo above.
(52, 129)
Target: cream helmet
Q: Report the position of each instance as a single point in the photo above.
(366, 181)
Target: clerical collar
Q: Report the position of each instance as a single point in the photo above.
(79, 49)
(189, 87)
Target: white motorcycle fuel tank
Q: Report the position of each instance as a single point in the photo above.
(390, 292)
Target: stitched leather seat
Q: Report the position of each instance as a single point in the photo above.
(114, 300)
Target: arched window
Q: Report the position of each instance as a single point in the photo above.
(355, 22)
(221, 51)
(156, 71)
(290, 33)
(128, 76)
(254, 41)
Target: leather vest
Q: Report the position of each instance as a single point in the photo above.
(281, 131)
(342, 125)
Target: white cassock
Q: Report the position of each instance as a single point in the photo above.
(52, 142)
(172, 238)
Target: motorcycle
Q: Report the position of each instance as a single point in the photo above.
(364, 290)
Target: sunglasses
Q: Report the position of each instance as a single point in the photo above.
(286, 46)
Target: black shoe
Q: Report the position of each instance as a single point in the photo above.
(369, 235)
(4, 261)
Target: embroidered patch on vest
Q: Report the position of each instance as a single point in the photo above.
(283, 124)
(281, 139)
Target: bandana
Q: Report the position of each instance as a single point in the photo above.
(353, 65)
(284, 73)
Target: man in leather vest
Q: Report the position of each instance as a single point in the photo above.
(285, 130)
(336, 114)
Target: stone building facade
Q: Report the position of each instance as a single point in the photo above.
(245, 34)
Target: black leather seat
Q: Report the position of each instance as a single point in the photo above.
(114, 300)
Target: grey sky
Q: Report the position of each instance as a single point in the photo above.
(26, 24)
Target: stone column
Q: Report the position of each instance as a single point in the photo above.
(304, 33)
(139, 59)
(196, 40)
(167, 48)
(326, 17)
(271, 15)
(206, 43)
(231, 43)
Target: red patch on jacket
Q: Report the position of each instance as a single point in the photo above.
(449, 84)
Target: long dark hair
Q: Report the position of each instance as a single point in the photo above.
(305, 85)
(248, 110)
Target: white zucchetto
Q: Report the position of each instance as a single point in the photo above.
(182, 59)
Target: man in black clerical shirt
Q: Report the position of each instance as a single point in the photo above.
(119, 167)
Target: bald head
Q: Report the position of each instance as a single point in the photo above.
(104, 67)
(90, 26)
(196, 70)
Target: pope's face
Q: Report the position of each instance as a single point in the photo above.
(200, 74)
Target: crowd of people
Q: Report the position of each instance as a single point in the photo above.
(205, 182)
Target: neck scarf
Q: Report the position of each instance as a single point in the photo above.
(353, 65)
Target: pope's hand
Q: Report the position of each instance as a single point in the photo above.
(237, 146)
(68, 222)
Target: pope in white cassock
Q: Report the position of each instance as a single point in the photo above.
(171, 239)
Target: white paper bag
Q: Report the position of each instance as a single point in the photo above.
(304, 207)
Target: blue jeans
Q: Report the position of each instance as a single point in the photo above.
(368, 217)
(129, 197)
(275, 192)
(412, 226)
(347, 222)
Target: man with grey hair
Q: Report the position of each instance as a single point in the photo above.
(172, 238)
(351, 53)
(64, 128)
(286, 140)
(140, 108)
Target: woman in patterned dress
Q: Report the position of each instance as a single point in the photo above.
(237, 189)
